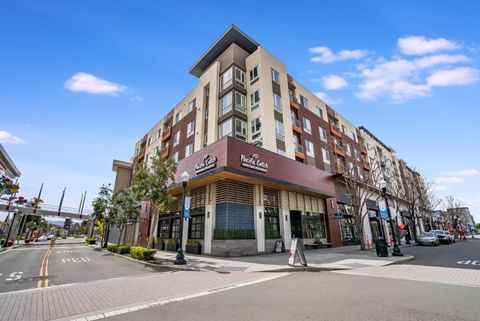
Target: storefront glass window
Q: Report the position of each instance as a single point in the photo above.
(197, 227)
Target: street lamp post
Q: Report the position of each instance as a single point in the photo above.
(396, 249)
(180, 258)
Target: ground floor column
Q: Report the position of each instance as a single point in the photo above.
(209, 217)
(259, 217)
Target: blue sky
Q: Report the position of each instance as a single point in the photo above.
(81, 81)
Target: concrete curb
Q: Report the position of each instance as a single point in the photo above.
(407, 258)
(144, 263)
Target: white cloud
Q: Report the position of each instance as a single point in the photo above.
(403, 79)
(88, 83)
(334, 82)
(328, 100)
(449, 180)
(8, 138)
(136, 99)
(463, 173)
(420, 45)
(454, 77)
(326, 55)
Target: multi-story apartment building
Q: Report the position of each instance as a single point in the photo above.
(7, 166)
(262, 152)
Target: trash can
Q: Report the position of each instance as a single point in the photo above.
(381, 247)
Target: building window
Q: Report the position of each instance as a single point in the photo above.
(357, 154)
(164, 232)
(155, 151)
(272, 226)
(344, 129)
(307, 126)
(190, 128)
(304, 101)
(158, 134)
(253, 74)
(188, 150)
(197, 227)
(319, 112)
(277, 103)
(178, 116)
(240, 129)
(313, 225)
(360, 172)
(175, 228)
(348, 149)
(279, 130)
(350, 167)
(354, 137)
(149, 142)
(323, 134)
(256, 128)
(225, 129)
(275, 76)
(255, 100)
(225, 104)
(310, 149)
(326, 156)
(147, 158)
(226, 78)
(281, 152)
(176, 138)
(192, 105)
(239, 77)
(240, 102)
(175, 157)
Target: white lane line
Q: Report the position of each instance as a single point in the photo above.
(177, 299)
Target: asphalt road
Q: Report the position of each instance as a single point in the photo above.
(325, 296)
(464, 255)
(31, 267)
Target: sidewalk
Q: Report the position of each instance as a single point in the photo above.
(100, 299)
(345, 257)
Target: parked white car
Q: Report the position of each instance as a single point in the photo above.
(42, 238)
(428, 238)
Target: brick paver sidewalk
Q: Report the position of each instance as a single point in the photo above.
(444, 275)
(94, 298)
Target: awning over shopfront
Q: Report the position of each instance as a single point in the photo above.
(232, 159)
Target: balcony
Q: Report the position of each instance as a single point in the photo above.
(294, 104)
(339, 168)
(140, 156)
(363, 149)
(296, 125)
(167, 134)
(299, 151)
(338, 150)
(334, 130)
(366, 165)
(166, 151)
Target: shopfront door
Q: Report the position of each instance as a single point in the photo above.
(296, 223)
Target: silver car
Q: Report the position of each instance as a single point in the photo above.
(428, 238)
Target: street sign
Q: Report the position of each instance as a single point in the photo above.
(339, 216)
(383, 209)
(186, 209)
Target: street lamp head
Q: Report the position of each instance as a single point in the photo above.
(185, 177)
(383, 186)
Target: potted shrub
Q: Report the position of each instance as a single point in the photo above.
(193, 247)
(171, 245)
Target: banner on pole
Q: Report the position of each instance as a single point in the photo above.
(186, 208)
(383, 209)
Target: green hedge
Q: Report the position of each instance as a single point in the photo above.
(112, 248)
(141, 253)
(91, 240)
(224, 234)
(64, 237)
(123, 249)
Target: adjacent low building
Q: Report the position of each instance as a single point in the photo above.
(264, 155)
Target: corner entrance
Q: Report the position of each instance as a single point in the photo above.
(296, 223)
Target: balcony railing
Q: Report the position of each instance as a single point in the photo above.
(338, 150)
(366, 165)
(363, 149)
(167, 134)
(296, 125)
(166, 152)
(293, 103)
(334, 130)
(299, 151)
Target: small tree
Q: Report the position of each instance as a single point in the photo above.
(101, 209)
(454, 217)
(152, 183)
(125, 207)
(67, 225)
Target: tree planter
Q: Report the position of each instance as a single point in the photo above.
(193, 249)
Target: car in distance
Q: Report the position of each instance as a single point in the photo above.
(42, 238)
(442, 236)
(50, 236)
(428, 238)
(450, 236)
